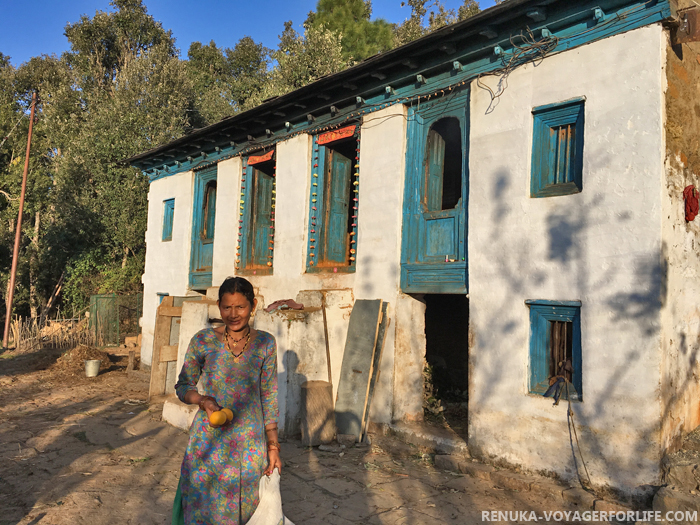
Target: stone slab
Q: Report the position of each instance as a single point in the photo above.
(447, 462)
(511, 481)
(178, 414)
(579, 497)
(476, 470)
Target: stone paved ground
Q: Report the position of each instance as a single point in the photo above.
(91, 451)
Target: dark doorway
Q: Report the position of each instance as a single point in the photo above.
(447, 358)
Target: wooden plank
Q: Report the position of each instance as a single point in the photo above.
(169, 311)
(356, 369)
(376, 361)
(168, 353)
(161, 337)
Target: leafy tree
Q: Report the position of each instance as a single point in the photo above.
(120, 90)
(417, 25)
(360, 36)
(226, 80)
(302, 59)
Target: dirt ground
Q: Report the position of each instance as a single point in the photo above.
(77, 450)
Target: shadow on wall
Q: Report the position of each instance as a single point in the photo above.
(635, 308)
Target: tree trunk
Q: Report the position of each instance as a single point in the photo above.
(126, 255)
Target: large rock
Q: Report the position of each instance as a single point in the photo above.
(669, 500)
(682, 470)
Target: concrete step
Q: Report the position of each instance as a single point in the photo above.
(436, 439)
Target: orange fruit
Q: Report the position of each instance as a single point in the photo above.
(229, 414)
(217, 418)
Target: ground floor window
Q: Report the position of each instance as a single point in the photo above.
(555, 347)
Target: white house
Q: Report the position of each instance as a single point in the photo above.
(512, 185)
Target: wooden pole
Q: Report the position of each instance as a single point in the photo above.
(325, 333)
(18, 232)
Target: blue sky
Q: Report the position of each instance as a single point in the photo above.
(33, 28)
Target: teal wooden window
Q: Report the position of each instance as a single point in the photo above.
(557, 149)
(434, 240)
(333, 203)
(168, 215)
(555, 337)
(203, 222)
(255, 251)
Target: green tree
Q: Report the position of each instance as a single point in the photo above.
(360, 36)
(302, 59)
(226, 80)
(427, 16)
(120, 90)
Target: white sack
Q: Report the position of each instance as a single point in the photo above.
(269, 511)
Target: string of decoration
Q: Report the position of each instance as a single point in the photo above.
(241, 213)
(314, 207)
(355, 202)
(271, 245)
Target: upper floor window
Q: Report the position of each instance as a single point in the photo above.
(557, 149)
(334, 201)
(168, 216)
(256, 247)
(443, 169)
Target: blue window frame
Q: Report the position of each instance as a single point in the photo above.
(555, 337)
(557, 149)
(436, 194)
(255, 252)
(203, 222)
(168, 214)
(334, 203)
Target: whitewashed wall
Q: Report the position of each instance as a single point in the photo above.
(379, 245)
(602, 247)
(167, 262)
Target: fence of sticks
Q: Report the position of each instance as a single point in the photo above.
(33, 333)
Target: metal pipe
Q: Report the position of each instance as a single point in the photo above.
(18, 232)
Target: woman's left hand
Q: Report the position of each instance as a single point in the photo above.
(274, 461)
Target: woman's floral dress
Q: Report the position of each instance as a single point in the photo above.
(222, 467)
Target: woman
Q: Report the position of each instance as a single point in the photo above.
(222, 467)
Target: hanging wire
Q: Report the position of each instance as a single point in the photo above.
(529, 50)
(24, 115)
(570, 421)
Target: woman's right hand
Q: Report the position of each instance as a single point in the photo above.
(209, 404)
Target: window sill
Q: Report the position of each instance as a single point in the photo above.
(330, 269)
(255, 271)
(574, 397)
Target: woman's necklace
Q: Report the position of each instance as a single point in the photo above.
(236, 356)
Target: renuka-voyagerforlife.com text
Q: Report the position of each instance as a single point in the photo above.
(588, 515)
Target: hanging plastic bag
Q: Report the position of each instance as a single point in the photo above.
(269, 511)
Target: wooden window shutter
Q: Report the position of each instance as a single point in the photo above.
(262, 220)
(435, 170)
(209, 211)
(338, 196)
